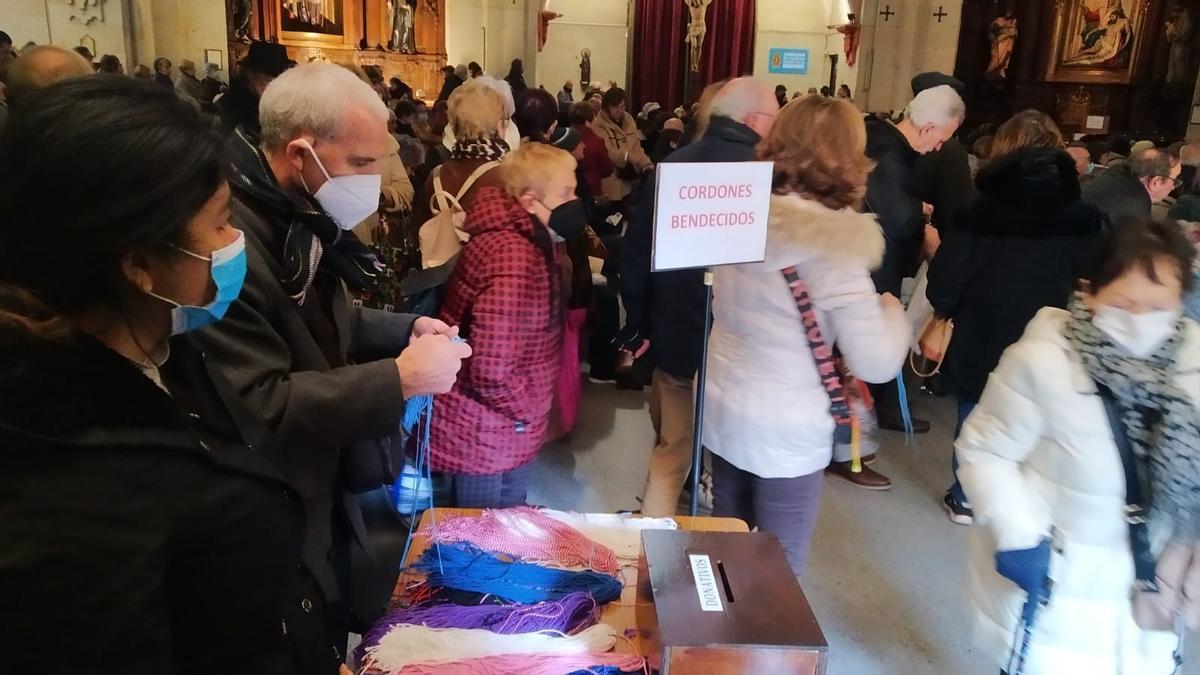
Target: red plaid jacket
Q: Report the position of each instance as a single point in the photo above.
(506, 297)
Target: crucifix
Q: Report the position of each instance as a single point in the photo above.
(696, 30)
(940, 14)
(887, 13)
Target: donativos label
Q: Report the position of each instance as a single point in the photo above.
(706, 583)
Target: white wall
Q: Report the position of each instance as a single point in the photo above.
(910, 42)
(492, 33)
(26, 20)
(802, 25)
(601, 26)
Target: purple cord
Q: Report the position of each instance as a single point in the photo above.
(570, 614)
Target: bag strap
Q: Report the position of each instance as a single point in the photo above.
(947, 325)
(475, 175)
(437, 201)
(1144, 564)
(822, 353)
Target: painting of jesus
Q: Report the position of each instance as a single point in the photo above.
(1097, 40)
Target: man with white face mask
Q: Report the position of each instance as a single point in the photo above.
(313, 383)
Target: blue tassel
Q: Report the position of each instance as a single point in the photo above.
(467, 568)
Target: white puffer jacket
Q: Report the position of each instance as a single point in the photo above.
(1038, 452)
(766, 410)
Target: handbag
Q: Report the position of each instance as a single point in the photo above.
(847, 398)
(934, 341)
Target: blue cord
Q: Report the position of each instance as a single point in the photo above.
(905, 413)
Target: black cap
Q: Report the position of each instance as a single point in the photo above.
(267, 57)
(566, 138)
(935, 79)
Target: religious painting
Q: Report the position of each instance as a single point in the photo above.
(1098, 40)
(312, 16)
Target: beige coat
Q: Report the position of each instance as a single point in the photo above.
(624, 148)
(396, 190)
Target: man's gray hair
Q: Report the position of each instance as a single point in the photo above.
(313, 98)
(741, 97)
(938, 106)
(1151, 163)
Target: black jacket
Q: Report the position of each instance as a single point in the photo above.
(133, 541)
(943, 179)
(892, 197)
(452, 82)
(239, 107)
(668, 307)
(1016, 248)
(1119, 194)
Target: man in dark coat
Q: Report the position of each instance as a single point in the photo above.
(1126, 192)
(929, 121)
(451, 83)
(942, 178)
(667, 308)
(263, 63)
(312, 382)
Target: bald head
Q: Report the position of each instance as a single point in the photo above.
(41, 66)
(748, 101)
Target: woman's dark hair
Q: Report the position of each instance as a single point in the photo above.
(160, 62)
(95, 168)
(826, 92)
(536, 111)
(517, 69)
(475, 69)
(110, 64)
(613, 98)
(1140, 244)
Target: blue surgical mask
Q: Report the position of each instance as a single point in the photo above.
(228, 270)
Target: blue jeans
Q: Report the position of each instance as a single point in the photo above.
(964, 411)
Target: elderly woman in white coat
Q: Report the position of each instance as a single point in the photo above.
(769, 423)
(1082, 460)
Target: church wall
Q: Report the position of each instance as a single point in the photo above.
(492, 33)
(907, 40)
(183, 29)
(51, 23)
(601, 26)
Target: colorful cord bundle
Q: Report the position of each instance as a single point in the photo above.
(528, 534)
(467, 568)
(572, 614)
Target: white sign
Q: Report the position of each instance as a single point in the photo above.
(706, 583)
(710, 213)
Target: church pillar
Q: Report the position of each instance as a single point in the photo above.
(901, 39)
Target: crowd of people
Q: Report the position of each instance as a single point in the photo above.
(210, 350)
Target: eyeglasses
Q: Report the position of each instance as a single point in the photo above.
(1177, 181)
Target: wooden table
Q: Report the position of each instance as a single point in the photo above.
(622, 614)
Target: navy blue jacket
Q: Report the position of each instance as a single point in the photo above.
(668, 307)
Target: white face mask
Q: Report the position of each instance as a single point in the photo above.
(1140, 334)
(347, 199)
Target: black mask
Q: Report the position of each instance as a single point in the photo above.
(568, 220)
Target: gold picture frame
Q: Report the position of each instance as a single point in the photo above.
(339, 23)
(1098, 41)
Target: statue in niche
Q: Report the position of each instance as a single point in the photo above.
(585, 69)
(1179, 36)
(697, 29)
(240, 12)
(402, 37)
(1002, 33)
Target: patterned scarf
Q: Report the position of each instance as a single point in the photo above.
(1160, 419)
(311, 238)
(491, 149)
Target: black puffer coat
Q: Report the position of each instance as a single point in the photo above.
(1016, 248)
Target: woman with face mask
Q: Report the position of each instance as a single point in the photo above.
(506, 295)
(1082, 462)
(133, 541)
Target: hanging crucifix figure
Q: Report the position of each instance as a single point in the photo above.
(402, 38)
(696, 30)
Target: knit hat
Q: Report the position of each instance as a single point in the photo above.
(1140, 146)
(566, 138)
(935, 79)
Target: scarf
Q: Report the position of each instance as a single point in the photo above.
(492, 149)
(311, 239)
(1159, 418)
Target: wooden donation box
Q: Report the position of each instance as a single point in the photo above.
(726, 604)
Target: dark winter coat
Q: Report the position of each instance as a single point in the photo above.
(1119, 195)
(239, 107)
(452, 82)
(1016, 248)
(134, 540)
(892, 197)
(506, 297)
(321, 404)
(668, 307)
(943, 179)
